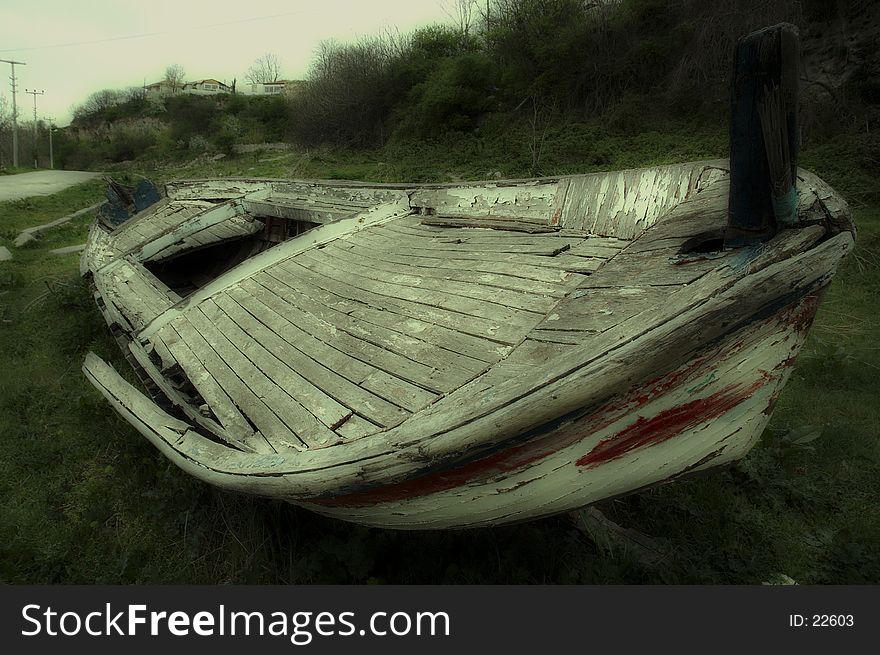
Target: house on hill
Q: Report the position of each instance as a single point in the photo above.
(272, 88)
(158, 88)
(206, 87)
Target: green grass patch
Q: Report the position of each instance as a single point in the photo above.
(16, 170)
(89, 500)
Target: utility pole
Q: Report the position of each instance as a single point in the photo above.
(51, 154)
(14, 111)
(35, 93)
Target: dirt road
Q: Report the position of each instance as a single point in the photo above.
(40, 183)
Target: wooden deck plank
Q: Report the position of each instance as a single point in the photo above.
(596, 310)
(575, 264)
(233, 228)
(306, 405)
(654, 268)
(154, 209)
(378, 259)
(508, 268)
(478, 233)
(361, 277)
(259, 397)
(392, 363)
(470, 352)
(244, 397)
(533, 301)
(355, 428)
(384, 337)
(545, 247)
(187, 227)
(177, 398)
(135, 292)
(325, 277)
(239, 431)
(271, 310)
(566, 337)
(150, 227)
(343, 391)
(512, 257)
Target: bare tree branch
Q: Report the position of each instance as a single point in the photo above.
(174, 77)
(265, 69)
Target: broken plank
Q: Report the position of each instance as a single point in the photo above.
(237, 432)
(190, 226)
(184, 333)
(305, 400)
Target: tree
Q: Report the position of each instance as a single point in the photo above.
(265, 69)
(462, 12)
(174, 77)
(94, 108)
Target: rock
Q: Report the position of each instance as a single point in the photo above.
(5, 255)
(68, 250)
(24, 239)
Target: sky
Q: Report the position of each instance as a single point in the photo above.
(75, 47)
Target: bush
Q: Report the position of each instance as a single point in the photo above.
(190, 115)
(130, 142)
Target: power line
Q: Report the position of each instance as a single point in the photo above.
(14, 110)
(149, 34)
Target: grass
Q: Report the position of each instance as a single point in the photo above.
(89, 501)
(15, 170)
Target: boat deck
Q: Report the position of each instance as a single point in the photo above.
(325, 339)
(336, 343)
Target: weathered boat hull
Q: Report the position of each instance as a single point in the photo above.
(655, 357)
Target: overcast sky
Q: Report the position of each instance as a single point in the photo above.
(75, 47)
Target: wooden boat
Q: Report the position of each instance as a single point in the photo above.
(439, 356)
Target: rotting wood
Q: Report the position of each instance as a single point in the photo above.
(388, 361)
(242, 395)
(533, 417)
(237, 434)
(511, 298)
(392, 389)
(368, 292)
(301, 243)
(385, 327)
(433, 268)
(304, 408)
(134, 291)
(187, 229)
(355, 398)
(448, 367)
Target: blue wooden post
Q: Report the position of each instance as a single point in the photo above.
(765, 81)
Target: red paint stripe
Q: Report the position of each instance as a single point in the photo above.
(668, 424)
(635, 436)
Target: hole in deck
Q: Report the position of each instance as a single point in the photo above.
(191, 269)
(705, 243)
